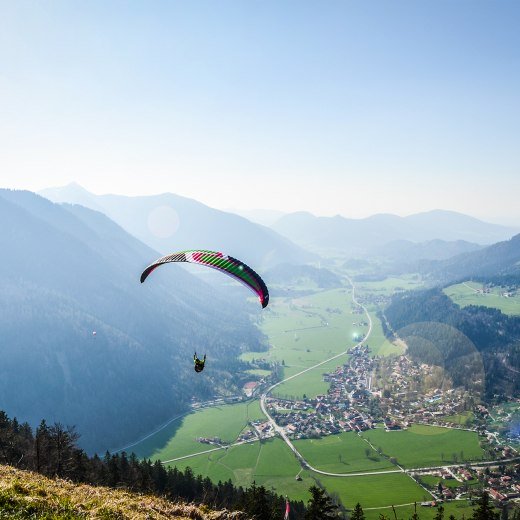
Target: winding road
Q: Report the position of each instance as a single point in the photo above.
(281, 431)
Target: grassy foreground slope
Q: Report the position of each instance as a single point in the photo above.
(24, 494)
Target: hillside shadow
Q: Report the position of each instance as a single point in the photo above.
(153, 443)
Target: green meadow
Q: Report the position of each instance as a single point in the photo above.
(464, 294)
(305, 331)
(258, 372)
(422, 446)
(462, 419)
(379, 345)
(458, 508)
(269, 463)
(179, 438)
(375, 490)
(433, 481)
(390, 285)
(342, 453)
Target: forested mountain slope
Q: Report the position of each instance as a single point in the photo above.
(66, 272)
(500, 259)
(480, 341)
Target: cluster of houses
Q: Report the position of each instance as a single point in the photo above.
(506, 421)
(216, 441)
(351, 382)
(346, 406)
(502, 487)
(353, 388)
(501, 482)
(258, 430)
(406, 403)
(379, 299)
(343, 408)
(349, 402)
(301, 420)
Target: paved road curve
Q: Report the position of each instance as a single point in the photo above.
(280, 430)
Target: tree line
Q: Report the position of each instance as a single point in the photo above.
(52, 451)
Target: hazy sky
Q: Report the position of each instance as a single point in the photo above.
(350, 107)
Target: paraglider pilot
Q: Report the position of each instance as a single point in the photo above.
(199, 364)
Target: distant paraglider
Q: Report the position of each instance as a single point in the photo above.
(226, 264)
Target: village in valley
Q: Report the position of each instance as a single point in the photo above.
(377, 402)
(355, 402)
(369, 393)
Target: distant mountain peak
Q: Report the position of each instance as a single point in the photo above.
(168, 222)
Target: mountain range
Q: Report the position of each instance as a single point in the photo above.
(354, 237)
(500, 259)
(169, 222)
(85, 344)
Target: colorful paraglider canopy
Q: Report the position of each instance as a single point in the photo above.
(227, 264)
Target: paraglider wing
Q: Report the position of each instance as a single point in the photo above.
(227, 264)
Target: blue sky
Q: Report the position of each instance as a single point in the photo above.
(333, 107)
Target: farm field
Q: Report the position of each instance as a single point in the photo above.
(178, 439)
(379, 345)
(269, 463)
(465, 294)
(258, 372)
(422, 446)
(342, 453)
(390, 285)
(304, 332)
(272, 465)
(458, 508)
(375, 490)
